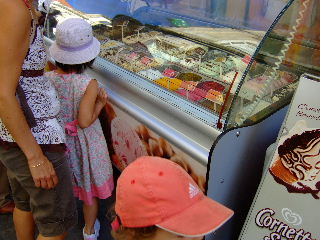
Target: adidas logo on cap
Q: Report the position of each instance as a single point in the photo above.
(193, 190)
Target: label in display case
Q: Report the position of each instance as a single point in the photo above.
(287, 202)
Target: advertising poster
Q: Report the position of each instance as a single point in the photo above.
(128, 139)
(287, 203)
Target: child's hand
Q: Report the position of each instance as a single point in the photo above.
(102, 97)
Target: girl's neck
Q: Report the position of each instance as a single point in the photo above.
(60, 71)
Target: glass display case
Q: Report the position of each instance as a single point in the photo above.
(237, 68)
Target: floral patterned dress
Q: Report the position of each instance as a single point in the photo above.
(87, 149)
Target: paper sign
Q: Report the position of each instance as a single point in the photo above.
(145, 60)
(287, 203)
(168, 72)
(133, 56)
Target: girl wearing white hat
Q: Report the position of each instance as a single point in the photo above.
(32, 142)
(82, 100)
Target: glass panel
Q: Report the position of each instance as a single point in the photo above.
(255, 14)
(289, 50)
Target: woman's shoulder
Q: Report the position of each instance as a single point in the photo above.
(18, 13)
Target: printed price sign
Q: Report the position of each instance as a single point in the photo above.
(168, 72)
(133, 56)
(145, 60)
(286, 206)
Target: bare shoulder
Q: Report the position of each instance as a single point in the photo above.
(14, 15)
(93, 85)
(15, 26)
(91, 90)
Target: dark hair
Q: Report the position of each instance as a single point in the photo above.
(125, 233)
(77, 68)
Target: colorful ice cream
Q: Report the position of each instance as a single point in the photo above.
(189, 77)
(168, 72)
(151, 74)
(194, 96)
(137, 65)
(170, 83)
(210, 90)
(228, 78)
(140, 37)
(190, 62)
(211, 85)
(217, 67)
(213, 90)
(110, 44)
(158, 53)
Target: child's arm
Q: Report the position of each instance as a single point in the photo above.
(91, 104)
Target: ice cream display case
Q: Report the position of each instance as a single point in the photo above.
(210, 67)
(203, 83)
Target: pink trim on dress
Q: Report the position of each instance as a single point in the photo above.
(102, 192)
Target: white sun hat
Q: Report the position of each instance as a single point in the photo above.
(44, 5)
(74, 42)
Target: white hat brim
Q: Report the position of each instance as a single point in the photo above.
(75, 57)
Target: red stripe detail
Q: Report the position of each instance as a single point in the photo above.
(27, 3)
(219, 124)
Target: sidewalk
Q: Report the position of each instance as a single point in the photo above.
(7, 231)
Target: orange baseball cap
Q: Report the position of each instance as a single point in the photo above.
(156, 191)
